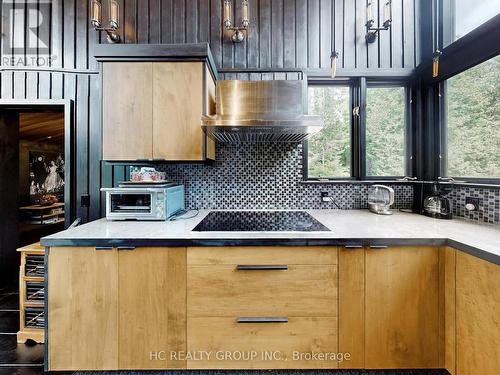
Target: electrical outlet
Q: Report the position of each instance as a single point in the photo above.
(84, 200)
(472, 204)
(325, 197)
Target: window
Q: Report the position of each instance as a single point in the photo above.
(385, 131)
(329, 152)
(349, 148)
(473, 122)
(470, 14)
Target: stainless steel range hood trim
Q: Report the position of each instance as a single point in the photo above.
(261, 111)
(308, 121)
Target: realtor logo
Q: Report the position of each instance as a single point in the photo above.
(26, 32)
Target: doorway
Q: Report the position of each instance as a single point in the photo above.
(36, 175)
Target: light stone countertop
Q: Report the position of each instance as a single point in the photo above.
(348, 227)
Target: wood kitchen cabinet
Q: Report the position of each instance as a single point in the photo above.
(82, 309)
(152, 307)
(116, 309)
(297, 285)
(152, 110)
(127, 115)
(477, 316)
(389, 307)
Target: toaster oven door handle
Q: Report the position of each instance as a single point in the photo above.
(261, 267)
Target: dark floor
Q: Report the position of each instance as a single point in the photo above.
(275, 372)
(15, 359)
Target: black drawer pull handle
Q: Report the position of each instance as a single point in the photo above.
(378, 247)
(126, 247)
(263, 267)
(102, 248)
(262, 319)
(353, 246)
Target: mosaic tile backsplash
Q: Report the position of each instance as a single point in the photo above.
(266, 176)
(489, 204)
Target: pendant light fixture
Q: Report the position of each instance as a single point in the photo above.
(114, 19)
(238, 31)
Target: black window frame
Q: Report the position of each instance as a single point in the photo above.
(483, 40)
(353, 85)
(358, 88)
(442, 88)
(408, 138)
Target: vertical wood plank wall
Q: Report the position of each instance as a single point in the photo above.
(283, 34)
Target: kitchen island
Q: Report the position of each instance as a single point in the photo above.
(400, 291)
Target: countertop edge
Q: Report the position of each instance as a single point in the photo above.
(174, 242)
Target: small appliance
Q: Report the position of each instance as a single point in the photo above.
(380, 199)
(157, 202)
(436, 205)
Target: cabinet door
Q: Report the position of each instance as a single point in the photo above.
(178, 106)
(152, 307)
(210, 109)
(477, 316)
(127, 108)
(401, 307)
(352, 306)
(82, 309)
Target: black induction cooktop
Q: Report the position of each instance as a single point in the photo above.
(253, 221)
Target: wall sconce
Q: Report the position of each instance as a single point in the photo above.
(238, 35)
(114, 20)
(435, 63)
(371, 32)
(333, 66)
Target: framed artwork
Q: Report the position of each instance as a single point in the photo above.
(46, 175)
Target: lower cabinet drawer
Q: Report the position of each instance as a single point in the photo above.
(293, 290)
(298, 343)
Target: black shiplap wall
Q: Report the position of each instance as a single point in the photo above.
(283, 34)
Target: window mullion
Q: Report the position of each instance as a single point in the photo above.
(354, 131)
(362, 129)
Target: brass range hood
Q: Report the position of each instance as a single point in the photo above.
(261, 111)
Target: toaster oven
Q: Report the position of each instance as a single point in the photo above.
(143, 203)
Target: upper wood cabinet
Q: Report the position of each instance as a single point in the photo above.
(389, 307)
(152, 110)
(127, 112)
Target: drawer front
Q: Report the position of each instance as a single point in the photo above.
(262, 255)
(223, 343)
(276, 289)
